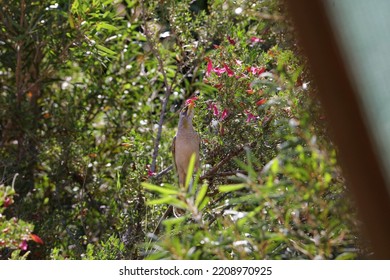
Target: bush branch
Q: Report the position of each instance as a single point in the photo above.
(168, 88)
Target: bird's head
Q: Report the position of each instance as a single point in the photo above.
(188, 110)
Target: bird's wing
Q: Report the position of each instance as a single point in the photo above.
(173, 151)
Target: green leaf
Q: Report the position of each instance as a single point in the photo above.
(71, 22)
(107, 2)
(204, 203)
(163, 200)
(205, 87)
(275, 166)
(104, 25)
(201, 194)
(160, 190)
(346, 256)
(190, 171)
(179, 204)
(75, 5)
(105, 50)
(231, 188)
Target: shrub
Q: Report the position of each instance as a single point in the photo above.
(89, 93)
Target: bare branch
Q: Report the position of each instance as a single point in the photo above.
(163, 172)
(168, 88)
(212, 172)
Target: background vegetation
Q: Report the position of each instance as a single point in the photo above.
(89, 95)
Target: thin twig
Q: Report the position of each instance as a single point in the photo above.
(216, 167)
(211, 173)
(224, 174)
(14, 180)
(163, 172)
(168, 88)
(166, 214)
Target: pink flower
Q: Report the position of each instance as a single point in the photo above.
(23, 245)
(216, 112)
(250, 116)
(224, 114)
(209, 67)
(256, 40)
(228, 70)
(219, 71)
(214, 107)
(256, 70)
(150, 172)
(238, 62)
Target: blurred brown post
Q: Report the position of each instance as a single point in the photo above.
(361, 165)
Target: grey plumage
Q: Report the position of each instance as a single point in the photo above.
(185, 143)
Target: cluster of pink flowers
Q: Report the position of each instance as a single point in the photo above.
(220, 116)
(250, 71)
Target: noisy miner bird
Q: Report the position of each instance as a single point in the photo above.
(186, 142)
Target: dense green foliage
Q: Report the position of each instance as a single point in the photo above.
(89, 95)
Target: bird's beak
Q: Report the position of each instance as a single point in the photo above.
(190, 108)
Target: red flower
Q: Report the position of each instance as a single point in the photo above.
(214, 107)
(8, 201)
(191, 101)
(228, 70)
(216, 112)
(224, 114)
(231, 41)
(260, 71)
(36, 238)
(209, 67)
(261, 102)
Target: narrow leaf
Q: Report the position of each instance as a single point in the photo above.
(104, 25)
(105, 50)
(204, 203)
(231, 188)
(158, 189)
(201, 194)
(190, 171)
